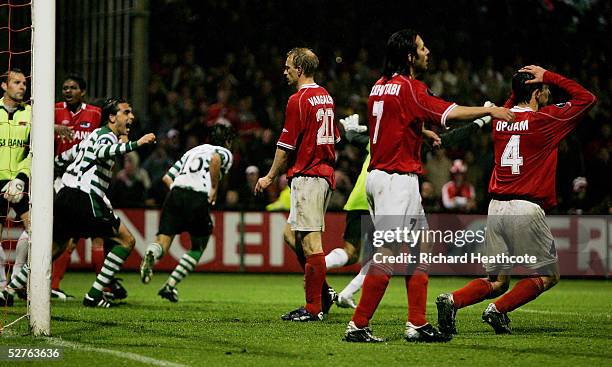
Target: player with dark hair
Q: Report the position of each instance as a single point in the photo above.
(307, 142)
(398, 106)
(82, 209)
(522, 186)
(15, 158)
(193, 182)
(79, 119)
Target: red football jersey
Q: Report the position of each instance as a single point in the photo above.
(397, 109)
(311, 131)
(450, 190)
(83, 123)
(526, 150)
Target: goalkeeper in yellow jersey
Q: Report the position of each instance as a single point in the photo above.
(15, 157)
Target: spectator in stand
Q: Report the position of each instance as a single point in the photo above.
(248, 201)
(458, 194)
(429, 199)
(437, 168)
(156, 165)
(129, 189)
(188, 73)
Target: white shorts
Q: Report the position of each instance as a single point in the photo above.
(518, 227)
(309, 199)
(394, 200)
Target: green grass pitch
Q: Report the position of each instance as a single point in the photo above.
(233, 319)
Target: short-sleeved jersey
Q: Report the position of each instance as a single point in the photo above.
(397, 109)
(192, 171)
(83, 123)
(310, 131)
(526, 150)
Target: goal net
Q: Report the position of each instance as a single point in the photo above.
(27, 42)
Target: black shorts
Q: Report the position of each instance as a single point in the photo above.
(23, 206)
(77, 214)
(353, 233)
(185, 211)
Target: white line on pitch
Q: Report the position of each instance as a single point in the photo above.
(121, 354)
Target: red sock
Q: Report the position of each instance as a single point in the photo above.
(374, 286)
(416, 286)
(475, 291)
(314, 277)
(59, 269)
(302, 261)
(524, 291)
(97, 258)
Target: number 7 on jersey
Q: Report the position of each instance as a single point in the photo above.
(377, 111)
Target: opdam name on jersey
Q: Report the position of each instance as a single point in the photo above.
(515, 126)
(391, 89)
(315, 100)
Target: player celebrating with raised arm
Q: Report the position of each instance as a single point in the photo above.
(194, 182)
(82, 209)
(398, 106)
(522, 186)
(74, 121)
(307, 142)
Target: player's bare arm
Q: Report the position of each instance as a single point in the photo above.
(433, 137)
(280, 161)
(215, 168)
(167, 180)
(146, 139)
(471, 113)
(65, 133)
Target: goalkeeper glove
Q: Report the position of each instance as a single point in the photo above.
(351, 123)
(486, 119)
(13, 191)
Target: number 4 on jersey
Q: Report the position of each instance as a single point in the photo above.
(511, 157)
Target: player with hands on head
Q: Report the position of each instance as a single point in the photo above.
(398, 106)
(522, 186)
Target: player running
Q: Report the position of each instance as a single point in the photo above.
(194, 182)
(522, 186)
(398, 106)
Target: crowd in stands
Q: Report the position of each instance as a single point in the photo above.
(245, 88)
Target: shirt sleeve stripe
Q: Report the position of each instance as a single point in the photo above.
(280, 144)
(445, 114)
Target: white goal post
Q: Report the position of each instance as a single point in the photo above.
(41, 183)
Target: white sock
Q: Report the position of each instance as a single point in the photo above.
(21, 253)
(336, 258)
(156, 249)
(355, 285)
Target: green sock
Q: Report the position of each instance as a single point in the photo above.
(187, 264)
(112, 264)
